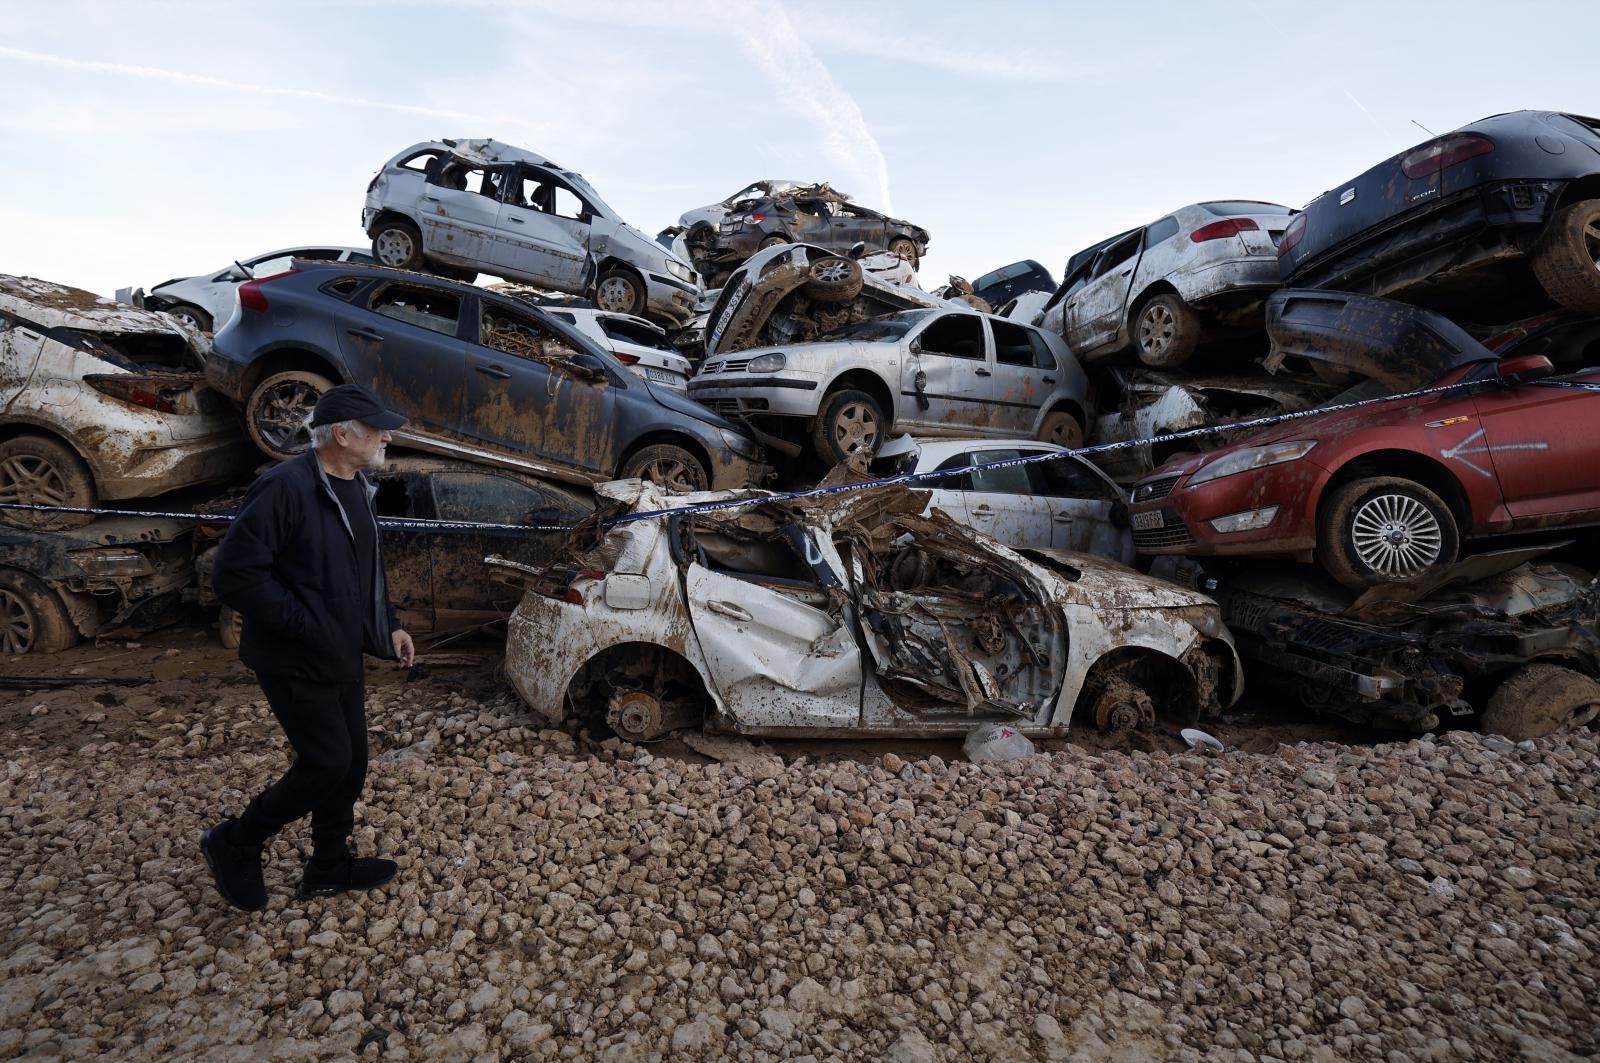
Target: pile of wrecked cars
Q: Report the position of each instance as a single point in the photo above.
(1356, 558)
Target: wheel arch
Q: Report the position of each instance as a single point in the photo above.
(390, 214)
(862, 380)
(289, 359)
(623, 648)
(1407, 464)
(19, 424)
(1171, 686)
(1580, 189)
(666, 437)
(1066, 405)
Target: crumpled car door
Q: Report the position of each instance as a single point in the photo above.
(19, 353)
(776, 661)
(1095, 313)
(537, 239)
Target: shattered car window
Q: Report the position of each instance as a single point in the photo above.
(464, 178)
(1013, 345)
(955, 335)
(426, 308)
(543, 192)
(633, 332)
(1010, 480)
(513, 333)
(879, 330)
(1067, 478)
(1043, 357)
(483, 496)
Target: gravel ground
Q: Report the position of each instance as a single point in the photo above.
(1428, 899)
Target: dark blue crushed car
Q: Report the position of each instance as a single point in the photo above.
(1495, 219)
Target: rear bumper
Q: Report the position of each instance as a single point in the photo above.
(670, 298)
(151, 470)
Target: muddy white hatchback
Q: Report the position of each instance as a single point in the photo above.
(852, 616)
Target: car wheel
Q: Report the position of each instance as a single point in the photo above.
(1567, 257)
(1384, 530)
(192, 315)
(1122, 705)
(833, 280)
(775, 240)
(277, 410)
(666, 466)
(397, 244)
(38, 471)
(906, 249)
(230, 625)
(1541, 699)
(1166, 330)
(1062, 429)
(619, 291)
(456, 273)
(33, 618)
(851, 422)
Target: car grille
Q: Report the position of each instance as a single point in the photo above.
(727, 365)
(1151, 490)
(726, 406)
(1170, 535)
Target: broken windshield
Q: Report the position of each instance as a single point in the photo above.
(879, 330)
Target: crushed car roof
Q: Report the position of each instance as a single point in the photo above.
(50, 305)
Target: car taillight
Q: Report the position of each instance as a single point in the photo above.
(572, 593)
(758, 217)
(138, 390)
(1292, 235)
(626, 359)
(1226, 227)
(1444, 153)
(251, 297)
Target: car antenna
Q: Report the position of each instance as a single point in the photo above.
(1424, 128)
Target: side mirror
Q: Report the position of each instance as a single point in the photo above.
(1520, 369)
(585, 218)
(587, 364)
(915, 346)
(858, 249)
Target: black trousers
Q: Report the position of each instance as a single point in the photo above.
(327, 726)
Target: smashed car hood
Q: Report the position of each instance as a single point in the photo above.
(47, 305)
(1109, 587)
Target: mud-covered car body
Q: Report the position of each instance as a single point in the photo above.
(486, 207)
(115, 573)
(1452, 222)
(436, 576)
(713, 213)
(1218, 258)
(1411, 657)
(810, 214)
(121, 389)
(478, 374)
(207, 300)
(858, 616)
(932, 371)
(1066, 504)
(1509, 452)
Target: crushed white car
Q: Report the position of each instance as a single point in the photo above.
(100, 400)
(208, 300)
(851, 615)
(465, 207)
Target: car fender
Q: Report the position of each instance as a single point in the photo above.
(1485, 502)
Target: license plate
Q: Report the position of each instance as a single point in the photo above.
(661, 376)
(1147, 521)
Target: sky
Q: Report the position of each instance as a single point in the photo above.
(161, 139)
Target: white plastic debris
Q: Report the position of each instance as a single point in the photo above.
(1196, 737)
(995, 742)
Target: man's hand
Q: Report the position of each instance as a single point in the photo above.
(403, 648)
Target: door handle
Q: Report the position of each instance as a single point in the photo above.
(1125, 272)
(366, 334)
(1063, 518)
(729, 609)
(982, 509)
(514, 220)
(982, 372)
(494, 371)
(1049, 380)
(430, 199)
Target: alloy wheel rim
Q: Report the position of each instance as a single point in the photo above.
(833, 272)
(1396, 535)
(614, 295)
(31, 480)
(394, 247)
(18, 629)
(1591, 241)
(1156, 328)
(856, 428)
(672, 473)
(282, 415)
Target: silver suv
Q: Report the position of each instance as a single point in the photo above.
(931, 371)
(466, 207)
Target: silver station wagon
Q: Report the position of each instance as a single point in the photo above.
(927, 371)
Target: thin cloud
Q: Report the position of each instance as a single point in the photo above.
(153, 73)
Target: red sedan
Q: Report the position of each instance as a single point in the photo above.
(1388, 492)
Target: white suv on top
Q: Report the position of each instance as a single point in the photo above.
(479, 206)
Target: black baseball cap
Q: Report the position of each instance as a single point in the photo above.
(347, 402)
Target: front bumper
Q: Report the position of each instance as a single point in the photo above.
(788, 395)
(1178, 518)
(669, 298)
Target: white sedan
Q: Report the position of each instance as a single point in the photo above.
(851, 615)
(1067, 504)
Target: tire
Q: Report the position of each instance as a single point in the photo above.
(776, 240)
(1567, 257)
(619, 291)
(1384, 529)
(33, 619)
(276, 412)
(1166, 330)
(456, 273)
(850, 421)
(833, 280)
(1330, 374)
(397, 243)
(229, 627)
(40, 471)
(668, 466)
(906, 249)
(192, 314)
(1541, 699)
(1062, 428)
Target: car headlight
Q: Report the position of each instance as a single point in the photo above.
(766, 363)
(1206, 619)
(680, 271)
(741, 445)
(1251, 458)
(112, 563)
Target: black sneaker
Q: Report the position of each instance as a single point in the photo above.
(351, 873)
(237, 869)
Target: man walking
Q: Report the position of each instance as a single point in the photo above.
(302, 564)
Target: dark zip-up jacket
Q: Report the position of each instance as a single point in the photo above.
(288, 566)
